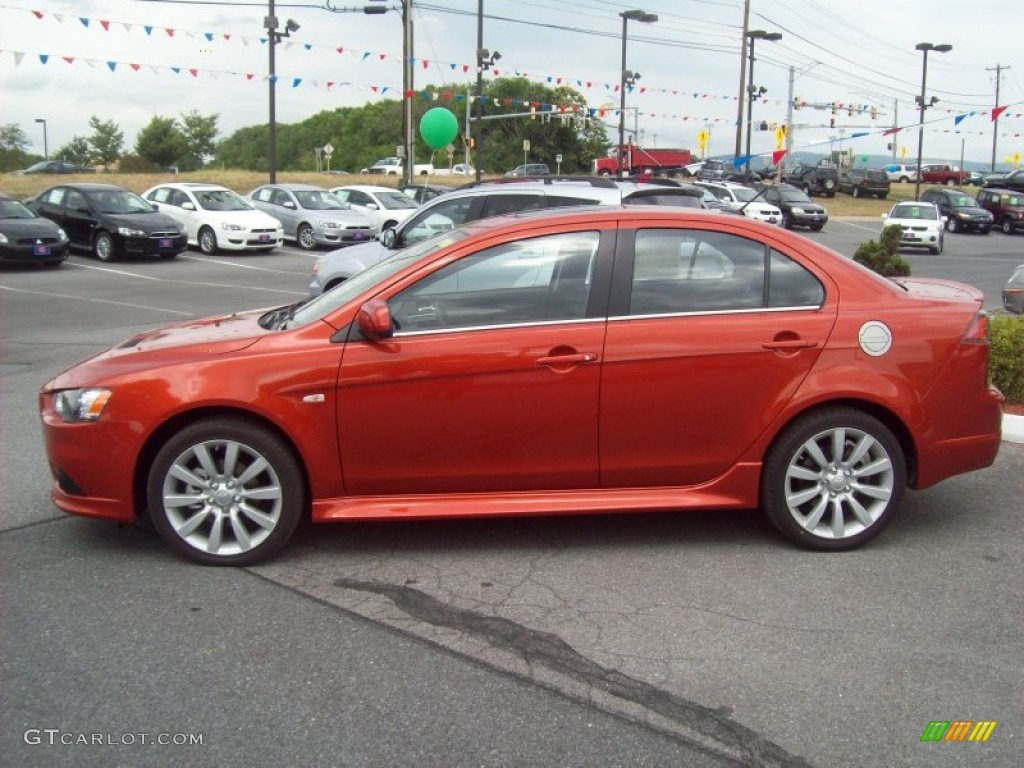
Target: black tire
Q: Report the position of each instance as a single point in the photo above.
(817, 227)
(847, 500)
(937, 249)
(787, 220)
(855, 191)
(951, 224)
(807, 189)
(883, 195)
(207, 240)
(1007, 227)
(304, 237)
(904, 180)
(103, 246)
(223, 524)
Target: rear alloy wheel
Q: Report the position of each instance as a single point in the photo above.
(207, 241)
(950, 182)
(833, 479)
(1007, 227)
(103, 246)
(304, 237)
(787, 220)
(225, 492)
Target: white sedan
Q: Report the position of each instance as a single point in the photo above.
(922, 224)
(215, 218)
(744, 200)
(386, 206)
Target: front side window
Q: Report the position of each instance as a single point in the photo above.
(543, 279)
(438, 217)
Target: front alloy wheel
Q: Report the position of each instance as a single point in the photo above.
(951, 224)
(103, 247)
(225, 492)
(305, 237)
(833, 479)
(207, 241)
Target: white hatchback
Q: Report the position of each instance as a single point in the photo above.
(215, 218)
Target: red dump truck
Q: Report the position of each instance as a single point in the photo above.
(637, 160)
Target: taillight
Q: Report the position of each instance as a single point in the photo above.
(977, 331)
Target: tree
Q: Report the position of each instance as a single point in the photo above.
(106, 142)
(13, 144)
(161, 142)
(200, 135)
(76, 151)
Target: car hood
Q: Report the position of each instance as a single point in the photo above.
(169, 345)
(342, 216)
(359, 256)
(253, 218)
(147, 222)
(21, 228)
(970, 210)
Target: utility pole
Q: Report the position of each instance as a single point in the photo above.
(895, 126)
(995, 123)
(743, 78)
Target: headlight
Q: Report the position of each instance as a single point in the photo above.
(328, 224)
(797, 210)
(964, 216)
(3, 238)
(231, 227)
(78, 405)
(62, 235)
(129, 232)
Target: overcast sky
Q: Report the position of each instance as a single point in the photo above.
(128, 60)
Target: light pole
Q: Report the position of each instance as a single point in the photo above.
(923, 105)
(46, 147)
(628, 78)
(273, 38)
(484, 61)
(753, 92)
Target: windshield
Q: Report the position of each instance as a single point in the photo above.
(318, 200)
(793, 196)
(38, 166)
(222, 200)
(328, 301)
(744, 195)
(914, 212)
(963, 201)
(12, 209)
(396, 199)
(118, 201)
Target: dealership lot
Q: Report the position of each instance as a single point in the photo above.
(730, 644)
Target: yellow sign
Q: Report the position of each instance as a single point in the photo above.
(780, 137)
(702, 137)
(903, 152)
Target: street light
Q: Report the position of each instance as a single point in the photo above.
(628, 78)
(273, 38)
(923, 104)
(752, 92)
(484, 61)
(46, 148)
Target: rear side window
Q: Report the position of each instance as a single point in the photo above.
(679, 271)
(496, 205)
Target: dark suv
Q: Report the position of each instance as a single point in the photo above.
(962, 211)
(814, 179)
(865, 182)
(1005, 205)
(798, 210)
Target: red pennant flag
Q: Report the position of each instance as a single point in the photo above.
(426, 63)
(68, 59)
(169, 31)
(891, 131)
(194, 72)
(778, 155)
(105, 25)
(249, 76)
(340, 50)
(227, 36)
(330, 84)
(136, 67)
(38, 14)
(465, 67)
(997, 112)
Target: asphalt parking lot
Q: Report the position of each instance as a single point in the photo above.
(700, 639)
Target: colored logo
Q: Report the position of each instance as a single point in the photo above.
(958, 730)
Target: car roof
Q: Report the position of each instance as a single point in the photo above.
(89, 186)
(367, 188)
(190, 185)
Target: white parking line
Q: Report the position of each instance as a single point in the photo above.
(125, 273)
(219, 262)
(98, 301)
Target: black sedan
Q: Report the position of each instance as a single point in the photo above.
(26, 238)
(110, 221)
(798, 210)
(56, 166)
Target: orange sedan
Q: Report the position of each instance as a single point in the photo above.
(555, 362)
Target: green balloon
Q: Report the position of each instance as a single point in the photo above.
(438, 127)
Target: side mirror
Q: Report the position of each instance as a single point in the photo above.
(374, 320)
(372, 206)
(289, 204)
(188, 205)
(387, 238)
(154, 206)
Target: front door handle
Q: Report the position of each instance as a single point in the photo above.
(560, 360)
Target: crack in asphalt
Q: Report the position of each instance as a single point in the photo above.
(549, 650)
